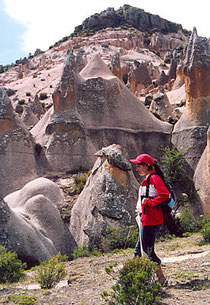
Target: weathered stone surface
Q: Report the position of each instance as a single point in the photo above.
(31, 224)
(189, 132)
(92, 109)
(139, 77)
(162, 107)
(17, 161)
(108, 199)
(202, 177)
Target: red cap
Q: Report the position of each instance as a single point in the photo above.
(144, 158)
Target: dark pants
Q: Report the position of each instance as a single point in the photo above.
(148, 235)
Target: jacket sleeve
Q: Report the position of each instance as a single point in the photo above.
(162, 191)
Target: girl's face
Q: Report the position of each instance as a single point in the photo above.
(142, 169)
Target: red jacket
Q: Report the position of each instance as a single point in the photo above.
(151, 213)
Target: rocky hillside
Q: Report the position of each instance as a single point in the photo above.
(129, 16)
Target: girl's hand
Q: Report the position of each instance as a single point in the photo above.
(144, 201)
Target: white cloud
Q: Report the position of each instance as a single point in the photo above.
(48, 21)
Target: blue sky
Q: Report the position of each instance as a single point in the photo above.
(26, 25)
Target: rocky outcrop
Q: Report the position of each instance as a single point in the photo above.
(161, 107)
(108, 199)
(92, 109)
(139, 77)
(189, 134)
(202, 177)
(17, 160)
(128, 15)
(30, 223)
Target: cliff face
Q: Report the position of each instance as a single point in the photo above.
(131, 16)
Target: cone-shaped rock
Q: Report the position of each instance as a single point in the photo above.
(93, 109)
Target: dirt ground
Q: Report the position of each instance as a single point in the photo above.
(185, 263)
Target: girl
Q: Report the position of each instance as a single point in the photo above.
(149, 209)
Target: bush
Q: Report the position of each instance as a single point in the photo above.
(50, 272)
(119, 238)
(83, 251)
(80, 181)
(172, 164)
(187, 221)
(136, 284)
(21, 102)
(206, 232)
(11, 268)
(43, 96)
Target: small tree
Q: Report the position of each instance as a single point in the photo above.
(172, 164)
(136, 284)
(11, 268)
(49, 273)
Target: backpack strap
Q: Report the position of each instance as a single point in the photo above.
(147, 185)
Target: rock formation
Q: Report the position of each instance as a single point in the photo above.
(17, 161)
(161, 107)
(92, 109)
(139, 77)
(190, 131)
(202, 177)
(108, 199)
(132, 16)
(30, 223)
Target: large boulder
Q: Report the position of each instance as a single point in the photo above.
(31, 224)
(189, 134)
(17, 160)
(108, 199)
(202, 177)
(93, 109)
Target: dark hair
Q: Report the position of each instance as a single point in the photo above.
(158, 170)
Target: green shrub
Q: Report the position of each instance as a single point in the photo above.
(187, 221)
(11, 268)
(21, 102)
(206, 232)
(43, 96)
(83, 251)
(172, 164)
(50, 272)
(28, 93)
(20, 299)
(136, 284)
(167, 60)
(119, 238)
(80, 181)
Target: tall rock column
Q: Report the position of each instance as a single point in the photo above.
(17, 159)
(189, 134)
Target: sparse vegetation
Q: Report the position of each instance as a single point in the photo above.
(11, 268)
(80, 181)
(50, 272)
(136, 284)
(22, 299)
(83, 251)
